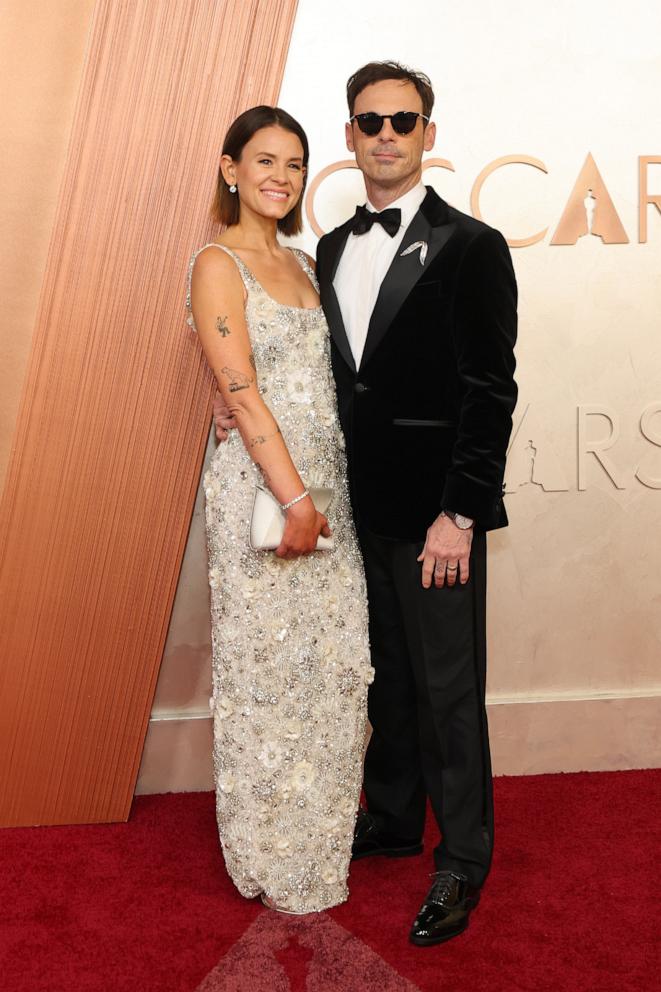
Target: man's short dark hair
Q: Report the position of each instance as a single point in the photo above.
(375, 72)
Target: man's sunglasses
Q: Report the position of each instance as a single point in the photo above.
(402, 122)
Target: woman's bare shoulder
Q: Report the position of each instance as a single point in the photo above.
(213, 263)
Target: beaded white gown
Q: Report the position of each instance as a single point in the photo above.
(291, 662)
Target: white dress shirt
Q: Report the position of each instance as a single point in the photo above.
(365, 260)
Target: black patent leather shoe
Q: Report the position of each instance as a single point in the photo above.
(444, 913)
(369, 841)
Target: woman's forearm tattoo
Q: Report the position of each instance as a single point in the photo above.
(265, 475)
(237, 380)
(221, 326)
(263, 438)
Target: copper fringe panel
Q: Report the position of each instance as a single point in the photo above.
(115, 412)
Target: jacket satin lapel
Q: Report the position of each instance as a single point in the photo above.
(329, 300)
(403, 274)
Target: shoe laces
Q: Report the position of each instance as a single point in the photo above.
(443, 886)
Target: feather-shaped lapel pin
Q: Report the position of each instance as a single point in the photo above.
(422, 245)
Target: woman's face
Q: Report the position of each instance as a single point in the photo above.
(270, 173)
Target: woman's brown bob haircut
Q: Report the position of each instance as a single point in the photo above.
(226, 205)
(376, 72)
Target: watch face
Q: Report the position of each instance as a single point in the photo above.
(463, 523)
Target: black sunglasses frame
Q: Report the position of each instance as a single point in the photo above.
(371, 116)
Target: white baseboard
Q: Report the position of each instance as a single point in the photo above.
(553, 732)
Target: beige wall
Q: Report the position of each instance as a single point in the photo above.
(575, 582)
(177, 755)
(575, 592)
(42, 46)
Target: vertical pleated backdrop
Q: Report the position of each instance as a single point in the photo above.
(115, 411)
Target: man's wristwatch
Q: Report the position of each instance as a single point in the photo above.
(463, 523)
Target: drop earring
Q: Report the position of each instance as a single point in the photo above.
(233, 188)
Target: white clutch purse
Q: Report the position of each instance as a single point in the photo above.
(267, 521)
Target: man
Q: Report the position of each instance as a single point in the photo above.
(421, 304)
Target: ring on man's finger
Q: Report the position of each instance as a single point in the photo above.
(452, 568)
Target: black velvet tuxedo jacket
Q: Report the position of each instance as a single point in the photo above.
(427, 416)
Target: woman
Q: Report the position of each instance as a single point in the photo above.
(290, 651)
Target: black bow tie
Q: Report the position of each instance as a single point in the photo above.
(390, 220)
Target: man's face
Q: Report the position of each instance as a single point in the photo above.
(389, 159)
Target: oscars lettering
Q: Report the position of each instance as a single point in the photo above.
(589, 211)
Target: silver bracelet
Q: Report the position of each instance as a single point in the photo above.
(297, 499)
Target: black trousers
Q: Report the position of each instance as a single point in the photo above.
(426, 705)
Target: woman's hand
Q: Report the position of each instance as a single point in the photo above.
(303, 526)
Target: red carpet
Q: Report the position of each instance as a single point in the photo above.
(571, 904)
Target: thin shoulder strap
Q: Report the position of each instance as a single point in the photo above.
(244, 272)
(302, 260)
